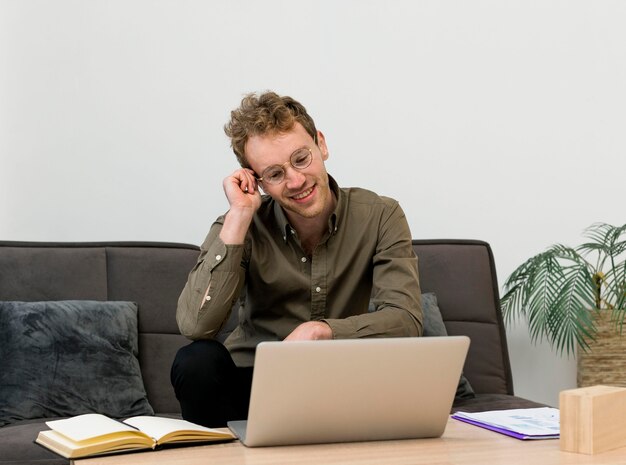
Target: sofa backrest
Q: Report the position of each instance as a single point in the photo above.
(148, 273)
(460, 272)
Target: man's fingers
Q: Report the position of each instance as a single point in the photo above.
(247, 180)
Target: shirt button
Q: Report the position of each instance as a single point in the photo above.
(303, 259)
(207, 298)
(218, 257)
(318, 289)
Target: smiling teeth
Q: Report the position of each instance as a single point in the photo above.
(303, 195)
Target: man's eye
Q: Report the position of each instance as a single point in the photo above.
(274, 175)
(300, 158)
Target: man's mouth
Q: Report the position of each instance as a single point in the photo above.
(303, 194)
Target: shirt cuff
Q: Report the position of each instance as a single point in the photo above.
(341, 328)
(227, 257)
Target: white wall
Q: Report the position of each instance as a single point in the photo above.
(497, 120)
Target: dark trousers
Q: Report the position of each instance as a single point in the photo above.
(210, 388)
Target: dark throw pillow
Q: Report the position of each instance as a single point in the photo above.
(66, 358)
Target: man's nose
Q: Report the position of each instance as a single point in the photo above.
(293, 177)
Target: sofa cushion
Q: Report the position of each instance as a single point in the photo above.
(434, 326)
(485, 402)
(17, 446)
(462, 274)
(65, 358)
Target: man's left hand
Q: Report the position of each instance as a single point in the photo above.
(311, 331)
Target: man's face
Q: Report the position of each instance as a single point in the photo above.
(303, 192)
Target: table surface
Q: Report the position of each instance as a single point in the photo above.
(460, 444)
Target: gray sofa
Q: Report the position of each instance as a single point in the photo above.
(461, 273)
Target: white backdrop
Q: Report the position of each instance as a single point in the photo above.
(497, 120)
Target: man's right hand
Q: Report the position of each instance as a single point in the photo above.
(243, 195)
(242, 191)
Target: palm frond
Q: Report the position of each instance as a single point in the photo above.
(519, 284)
(615, 293)
(511, 302)
(619, 248)
(559, 291)
(534, 289)
(619, 230)
(554, 291)
(605, 238)
(588, 247)
(543, 289)
(599, 233)
(571, 323)
(516, 288)
(615, 286)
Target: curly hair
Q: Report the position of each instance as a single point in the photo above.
(267, 113)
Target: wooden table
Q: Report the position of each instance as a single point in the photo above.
(460, 444)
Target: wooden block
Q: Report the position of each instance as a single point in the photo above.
(593, 419)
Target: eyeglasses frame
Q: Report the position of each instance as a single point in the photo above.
(288, 162)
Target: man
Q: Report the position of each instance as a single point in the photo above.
(304, 260)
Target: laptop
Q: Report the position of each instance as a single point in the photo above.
(309, 392)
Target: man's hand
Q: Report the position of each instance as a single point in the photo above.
(311, 331)
(242, 191)
(243, 195)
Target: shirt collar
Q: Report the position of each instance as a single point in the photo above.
(333, 221)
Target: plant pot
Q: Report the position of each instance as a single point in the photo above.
(605, 360)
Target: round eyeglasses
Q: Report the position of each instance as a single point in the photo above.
(275, 174)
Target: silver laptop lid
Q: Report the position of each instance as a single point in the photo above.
(353, 390)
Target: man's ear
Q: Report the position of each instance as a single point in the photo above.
(321, 143)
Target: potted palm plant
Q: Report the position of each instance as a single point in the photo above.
(575, 298)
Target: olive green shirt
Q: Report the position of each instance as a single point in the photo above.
(365, 253)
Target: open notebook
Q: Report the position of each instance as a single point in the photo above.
(352, 390)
